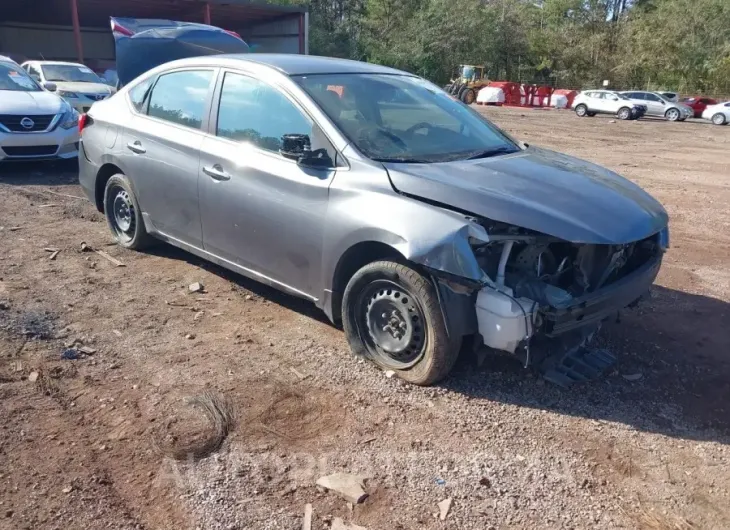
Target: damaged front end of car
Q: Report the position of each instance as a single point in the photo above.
(541, 297)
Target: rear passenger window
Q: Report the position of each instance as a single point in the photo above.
(252, 111)
(180, 97)
(138, 94)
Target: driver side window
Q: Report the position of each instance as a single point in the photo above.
(252, 111)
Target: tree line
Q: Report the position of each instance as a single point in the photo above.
(681, 45)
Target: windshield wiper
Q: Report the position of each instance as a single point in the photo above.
(494, 151)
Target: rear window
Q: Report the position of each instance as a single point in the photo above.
(138, 95)
(180, 97)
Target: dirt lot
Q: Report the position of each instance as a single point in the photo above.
(84, 445)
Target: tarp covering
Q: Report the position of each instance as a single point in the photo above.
(559, 101)
(142, 44)
(490, 94)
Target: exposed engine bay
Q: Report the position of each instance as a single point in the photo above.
(540, 285)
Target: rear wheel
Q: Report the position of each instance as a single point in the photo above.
(392, 316)
(719, 119)
(123, 214)
(624, 113)
(672, 115)
(581, 110)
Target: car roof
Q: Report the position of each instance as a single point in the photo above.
(4, 59)
(56, 62)
(292, 64)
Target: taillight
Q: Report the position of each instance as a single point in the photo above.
(121, 30)
(83, 119)
(233, 33)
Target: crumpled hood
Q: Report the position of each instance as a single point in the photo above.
(29, 103)
(83, 88)
(540, 190)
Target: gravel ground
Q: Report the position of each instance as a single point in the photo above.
(85, 444)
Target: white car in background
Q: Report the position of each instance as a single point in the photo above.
(34, 124)
(74, 82)
(592, 102)
(658, 105)
(718, 114)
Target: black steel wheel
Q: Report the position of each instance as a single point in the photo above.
(391, 321)
(123, 215)
(392, 315)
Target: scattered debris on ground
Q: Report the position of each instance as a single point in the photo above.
(349, 487)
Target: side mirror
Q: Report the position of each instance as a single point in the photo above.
(51, 87)
(299, 147)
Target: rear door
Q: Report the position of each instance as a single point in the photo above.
(162, 146)
(260, 210)
(600, 102)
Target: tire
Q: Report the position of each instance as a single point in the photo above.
(581, 110)
(468, 96)
(460, 94)
(123, 214)
(719, 119)
(672, 115)
(417, 348)
(624, 113)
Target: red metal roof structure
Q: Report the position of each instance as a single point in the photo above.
(234, 15)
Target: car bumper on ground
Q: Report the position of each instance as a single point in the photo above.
(57, 144)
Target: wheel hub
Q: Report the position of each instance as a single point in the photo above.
(395, 324)
(123, 211)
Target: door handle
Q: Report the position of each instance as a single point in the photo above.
(136, 147)
(216, 172)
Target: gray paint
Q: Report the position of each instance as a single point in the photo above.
(288, 226)
(541, 190)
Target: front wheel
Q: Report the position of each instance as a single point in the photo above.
(672, 115)
(624, 113)
(392, 316)
(123, 214)
(469, 96)
(581, 110)
(719, 119)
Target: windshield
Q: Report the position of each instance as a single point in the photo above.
(398, 118)
(468, 72)
(14, 78)
(69, 73)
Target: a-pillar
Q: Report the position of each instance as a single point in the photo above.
(77, 30)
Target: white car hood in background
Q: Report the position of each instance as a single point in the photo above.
(30, 103)
(83, 88)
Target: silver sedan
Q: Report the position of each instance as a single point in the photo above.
(404, 215)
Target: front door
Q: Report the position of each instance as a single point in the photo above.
(260, 210)
(163, 144)
(655, 104)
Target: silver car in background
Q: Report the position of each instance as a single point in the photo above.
(401, 213)
(659, 106)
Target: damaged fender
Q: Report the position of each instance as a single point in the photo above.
(435, 238)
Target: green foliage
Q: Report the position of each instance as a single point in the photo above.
(679, 45)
